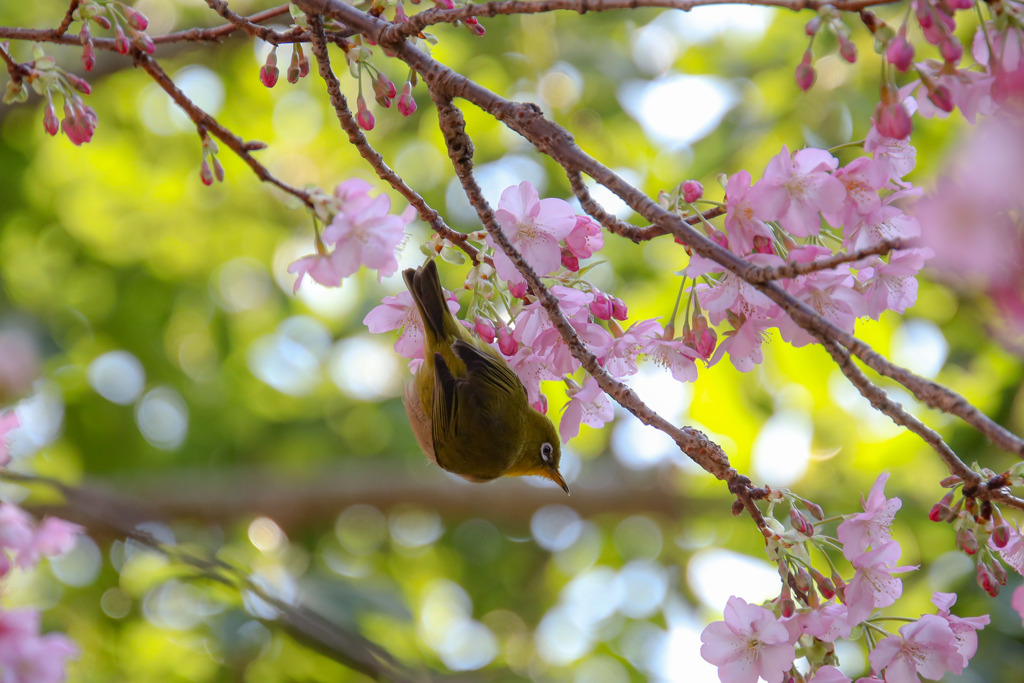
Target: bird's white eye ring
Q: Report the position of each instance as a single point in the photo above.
(546, 450)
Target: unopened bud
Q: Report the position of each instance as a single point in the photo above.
(805, 72)
(966, 541)
(940, 510)
(692, 191)
(484, 329)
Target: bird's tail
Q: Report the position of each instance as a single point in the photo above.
(425, 286)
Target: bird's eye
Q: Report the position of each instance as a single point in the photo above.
(546, 449)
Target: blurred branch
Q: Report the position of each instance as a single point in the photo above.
(102, 511)
(316, 498)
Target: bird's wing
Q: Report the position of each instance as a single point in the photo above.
(446, 403)
(485, 367)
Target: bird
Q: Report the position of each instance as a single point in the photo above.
(468, 410)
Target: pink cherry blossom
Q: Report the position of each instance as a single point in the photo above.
(34, 658)
(732, 293)
(893, 285)
(1017, 601)
(321, 267)
(741, 221)
(887, 223)
(532, 369)
(534, 226)
(873, 585)
(897, 155)
(829, 674)
(744, 344)
(926, 647)
(1013, 552)
(8, 423)
(970, 91)
(827, 622)
(399, 313)
(829, 292)
(586, 237)
(620, 360)
(367, 236)
(750, 642)
(587, 405)
(863, 178)
(797, 188)
(965, 629)
(673, 355)
(52, 537)
(16, 530)
(870, 527)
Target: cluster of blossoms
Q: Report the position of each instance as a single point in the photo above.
(859, 205)
(765, 641)
(360, 231)
(26, 654)
(941, 85)
(553, 240)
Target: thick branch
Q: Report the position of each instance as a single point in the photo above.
(692, 442)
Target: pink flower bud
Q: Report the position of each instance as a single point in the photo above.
(484, 329)
(966, 541)
(121, 43)
(900, 52)
(601, 306)
(812, 26)
(145, 43)
(763, 245)
(50, 123)
(541, 405)
(507, 344)
(986, 580)
(805, 72)
(940, 510)
(891, 119)
(88, 57)
(847, 49)
(269, 71)
(619, 311)
(800, 523)
(102, 21)
(205, 174)
(363, 116)
(692, 191)
(218, 170)
(406, 104)
(79, 84)
(706, 340)
(570, 261)
(474, 25)
(383, 90)
(518, 289)
(951, 50)
(942, 98)
(136, 19)
(400, 15)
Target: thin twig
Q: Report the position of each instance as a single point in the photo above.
(205, 121)
(794, 269)
(355, 136)
(490, 9)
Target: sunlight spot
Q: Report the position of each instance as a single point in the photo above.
(782, 448)
(715, 574)
(677, 109)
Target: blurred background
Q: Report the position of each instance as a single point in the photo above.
(151, 345)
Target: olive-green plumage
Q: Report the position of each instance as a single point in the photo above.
(467, 408)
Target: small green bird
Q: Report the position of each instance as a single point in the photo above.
(467, 408)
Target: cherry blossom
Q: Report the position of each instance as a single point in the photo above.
(897, 155)
(586, 238)
(740, 220)
(52, 537)
(873, 585)
(893, 285)
(588, 405)
(965, 629)
(367, 236)
(829, 292)
(750, 642)
(534, 226)
(926, 647)
(797, 188)
(870, 527)
(399, 313)
(26, 656)
(321, 267)
(828, 674)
